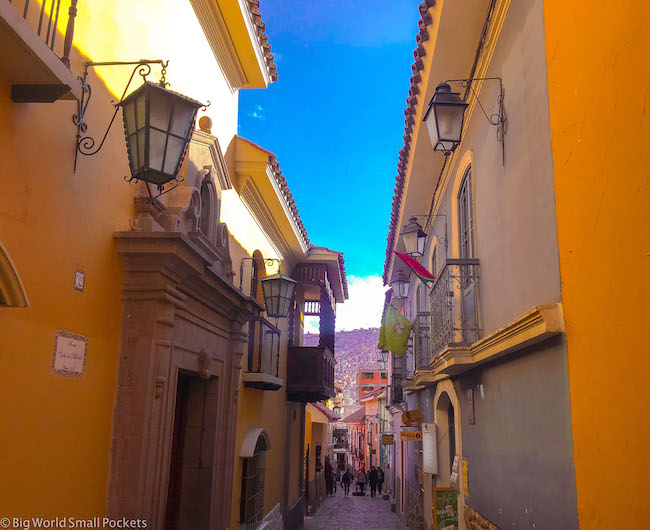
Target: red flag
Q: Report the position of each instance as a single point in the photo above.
(418, 269)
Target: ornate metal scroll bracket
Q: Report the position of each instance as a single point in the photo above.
(499, 118)
(267, 262)
(86, 144)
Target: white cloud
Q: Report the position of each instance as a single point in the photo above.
(257, 113)
(362, 310)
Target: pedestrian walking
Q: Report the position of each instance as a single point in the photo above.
(346, 480)
(361, 480)
(329, 476)
(380, 483)
(373, 478)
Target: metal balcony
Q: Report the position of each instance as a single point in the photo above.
(36, 58)
(310, 374)
(263, 356)
(454, 306)
(421, 351)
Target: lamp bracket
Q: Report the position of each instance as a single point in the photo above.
(267, 261)
(86, 144)
(499, 118)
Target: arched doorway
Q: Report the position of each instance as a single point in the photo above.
(447, 446)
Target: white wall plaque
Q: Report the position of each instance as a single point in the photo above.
(429, 449)
(69, 357)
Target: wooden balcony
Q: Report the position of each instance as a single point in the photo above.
(310, 374)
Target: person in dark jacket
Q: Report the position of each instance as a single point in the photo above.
(380, 483)
(329, 476)
(346, 480)
(373, 478)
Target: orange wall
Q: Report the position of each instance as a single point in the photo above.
(599, 90)
(55, 446)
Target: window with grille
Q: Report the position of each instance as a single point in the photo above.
(252, 491)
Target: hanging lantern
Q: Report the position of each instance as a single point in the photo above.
(278, 291)
(400, 285)
(444, 119)
(158, 124)
(413, 238)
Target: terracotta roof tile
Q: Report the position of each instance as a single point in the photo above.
(414, 91)
(260, 27)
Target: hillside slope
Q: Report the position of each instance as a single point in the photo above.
(354, 349)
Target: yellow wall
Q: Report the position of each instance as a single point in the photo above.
(599, 81)
(54, 451)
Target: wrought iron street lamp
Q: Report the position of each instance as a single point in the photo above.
(413, 238)
(278, 291)
(444, 119)
(400, 285)
(158, 124)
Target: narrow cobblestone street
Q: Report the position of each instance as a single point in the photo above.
(362, 513)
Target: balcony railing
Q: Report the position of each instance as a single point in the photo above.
(44, 20)
(263, 355)
(310, 373)
(421, 341)
(454, 305)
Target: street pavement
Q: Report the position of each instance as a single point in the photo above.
(361, 513)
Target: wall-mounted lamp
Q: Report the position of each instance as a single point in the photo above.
(400, 285)
(446, 112)
(414, 238)
(278, 290)
(158, 124)
(444, 119)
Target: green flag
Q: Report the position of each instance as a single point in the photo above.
(395, 331)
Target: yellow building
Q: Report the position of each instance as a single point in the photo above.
(143, 363)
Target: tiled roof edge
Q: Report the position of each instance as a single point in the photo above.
(263, 39)
(423, 35)
(288, 197)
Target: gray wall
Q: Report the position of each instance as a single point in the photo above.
(520, 451)
(515, 227)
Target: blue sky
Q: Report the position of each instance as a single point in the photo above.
(335, 117)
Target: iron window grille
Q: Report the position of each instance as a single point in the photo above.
(252, 498)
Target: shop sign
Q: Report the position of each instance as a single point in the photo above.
(387, 439)
(412, 417)
(411, 436)
(445, 509)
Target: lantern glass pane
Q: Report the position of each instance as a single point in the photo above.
(450, 121)
(410, 240)
(159, 109)
(156, 149)
(405, 289)
(133, 149)
(183, 116)
(129, 117)
(140, 111)
(422, 238)
(142, 140)
(174, 152)
(431, 127)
